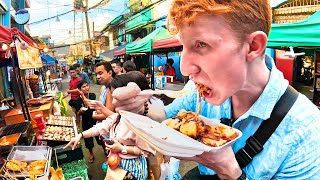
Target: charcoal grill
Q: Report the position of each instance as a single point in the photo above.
(14, 128)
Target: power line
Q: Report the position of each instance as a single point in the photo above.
(36, 22)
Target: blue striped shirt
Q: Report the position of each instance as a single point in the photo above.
(293, 150)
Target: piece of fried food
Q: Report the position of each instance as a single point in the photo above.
(15, 165)
(56, 174)
(213, 142)
(174, 123)
(189, 128)
(224, 132)
(182, 113)
(37, 167)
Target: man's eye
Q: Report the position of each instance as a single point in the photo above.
(200, 44)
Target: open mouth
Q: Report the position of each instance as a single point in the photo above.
(203, 90)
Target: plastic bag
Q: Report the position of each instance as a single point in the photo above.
(170, 170)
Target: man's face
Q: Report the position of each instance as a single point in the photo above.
(117, 69)
(103, 77)
(213, 57)
(78, 70)
(73, 73)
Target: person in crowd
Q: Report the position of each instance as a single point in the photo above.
(82, 74)
(224, 49)
(104, 75)
(171, 71)
(129, 66)
(86, 116)
(73, 90)
(130, 148)
(116, 66)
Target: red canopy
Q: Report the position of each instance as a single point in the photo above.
(123, 50)
(119, 52)
(7, 35)
(166, 43)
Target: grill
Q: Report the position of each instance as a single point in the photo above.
(14, 128)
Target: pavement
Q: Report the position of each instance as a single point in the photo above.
(94, 169)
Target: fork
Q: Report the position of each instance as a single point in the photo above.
(169, 93)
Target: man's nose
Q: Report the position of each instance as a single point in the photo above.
(188, 64)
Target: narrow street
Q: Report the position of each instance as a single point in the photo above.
(95, 172)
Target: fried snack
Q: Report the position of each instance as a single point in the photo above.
(15, 165)
(174, 123)
(189, 124)
(56, 174)
(37, 167)
(213, 142)
(189, 128)
(201, 89)
(33, 177)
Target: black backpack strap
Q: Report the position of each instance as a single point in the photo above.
(254, 144)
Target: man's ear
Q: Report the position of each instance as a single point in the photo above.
(110, 73)
(257, 45)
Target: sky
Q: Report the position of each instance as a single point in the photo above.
(63, 31)
(68, 31)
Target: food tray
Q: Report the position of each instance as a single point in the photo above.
(29, 154)
(60, 120)
(167, 140)
(52, 142)
(58, 133)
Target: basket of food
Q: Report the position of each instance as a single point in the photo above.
(27, 162)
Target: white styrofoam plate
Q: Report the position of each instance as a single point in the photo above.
(169, 140)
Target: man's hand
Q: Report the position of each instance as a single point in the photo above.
(223, 162)
(126, 98)
(96, 105)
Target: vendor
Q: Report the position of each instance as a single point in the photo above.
(171, 71)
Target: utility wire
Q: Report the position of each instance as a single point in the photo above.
(37, 22)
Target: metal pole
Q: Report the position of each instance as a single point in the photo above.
(152, 70)
(16, 79)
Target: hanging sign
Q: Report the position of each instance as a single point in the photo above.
(29, 58)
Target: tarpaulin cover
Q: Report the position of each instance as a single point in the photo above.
(145, 44)
(47, 59)
(7, 35)
(166, 43)
(122, 50)
(302, 33)
(110, 53)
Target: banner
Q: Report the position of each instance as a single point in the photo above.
(29, 58)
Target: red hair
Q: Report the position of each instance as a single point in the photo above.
(243, 16)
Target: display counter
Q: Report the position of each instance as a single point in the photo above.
(15, 115)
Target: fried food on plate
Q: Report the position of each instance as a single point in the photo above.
(189, 124)
(15, 165)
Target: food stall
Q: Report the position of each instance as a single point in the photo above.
(30, 137)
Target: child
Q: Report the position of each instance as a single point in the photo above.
(130, 148)
(86, 114)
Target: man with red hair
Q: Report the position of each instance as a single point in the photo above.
(224, 44)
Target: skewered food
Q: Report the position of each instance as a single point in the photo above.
(189, 124)
(15, 165)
